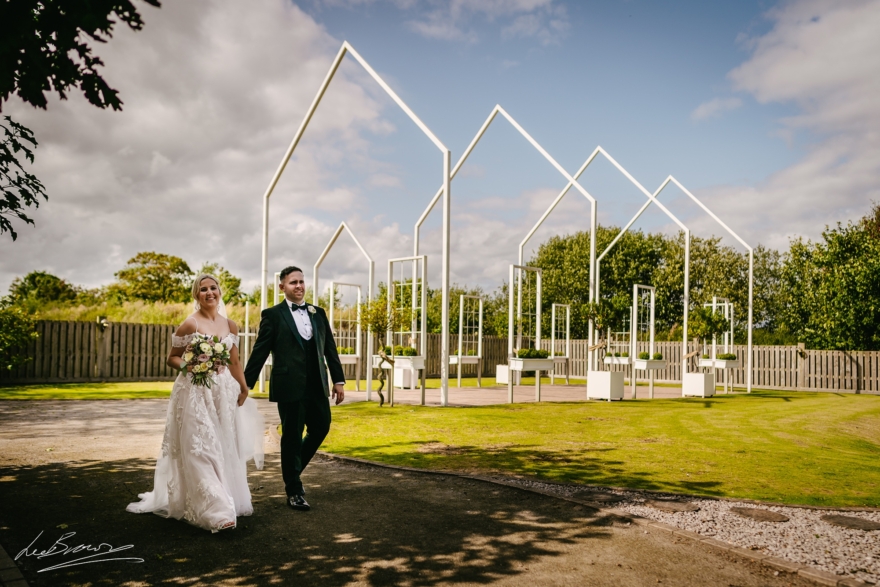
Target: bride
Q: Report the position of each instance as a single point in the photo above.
(210, 432)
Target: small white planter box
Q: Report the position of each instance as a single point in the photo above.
(348, 359)
(399, 363)
(616, 360)
(607, 385)
(465, 360)
(720, 363)
(698, 385)
(502, 374)
(531, 364)
(649, 364)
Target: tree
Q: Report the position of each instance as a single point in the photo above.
(39, 286)
(230, 285)
(155, 277)
(830, 287)
(17, 328)
(19, 188)
(45, 47)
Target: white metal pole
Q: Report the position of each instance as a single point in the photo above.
(444, 281)
(369, 366)
(751, 317)
(510, 338)
(686, 303)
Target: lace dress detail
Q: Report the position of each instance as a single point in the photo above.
(201, 473)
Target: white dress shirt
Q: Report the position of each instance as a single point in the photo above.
(302, 321)
(303, 324)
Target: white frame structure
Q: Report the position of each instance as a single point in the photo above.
(358, 355)
(446, 166)
(572, 182)
(459, 359)
(726, 307)
(416, 363)
(751, 251)
(371, 265)
(514, 363)
(565, 359)
(650, 364)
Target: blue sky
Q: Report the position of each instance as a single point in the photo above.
(762, 109)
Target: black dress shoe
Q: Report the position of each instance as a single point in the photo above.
(298, 502)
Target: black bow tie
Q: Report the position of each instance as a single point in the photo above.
(294, 307)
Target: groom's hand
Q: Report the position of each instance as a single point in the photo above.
(339, 392)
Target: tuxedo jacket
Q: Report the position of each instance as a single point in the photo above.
(279, 336)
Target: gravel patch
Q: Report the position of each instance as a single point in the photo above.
(804, 539)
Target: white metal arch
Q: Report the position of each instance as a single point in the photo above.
(572, 182)
(371, 268)
(347, 48)
(751, 251)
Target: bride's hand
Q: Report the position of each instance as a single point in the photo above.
(243, 395)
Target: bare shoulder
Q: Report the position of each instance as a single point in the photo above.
(233, 327)
(188, 326)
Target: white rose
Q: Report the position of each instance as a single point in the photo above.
(218, 348)
(187, 357)
(209, 352)
(205, 347)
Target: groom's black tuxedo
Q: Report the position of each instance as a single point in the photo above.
(298, 383)
(291, 361)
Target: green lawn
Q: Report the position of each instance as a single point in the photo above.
(804, 448)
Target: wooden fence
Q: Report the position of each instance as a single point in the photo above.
(68, 352)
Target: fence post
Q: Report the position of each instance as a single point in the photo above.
(802, 367)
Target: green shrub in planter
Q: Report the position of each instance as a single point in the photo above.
(345, 350)
(644, 355)
(624, 354)
(727, 357)
(472, 353)
(706, 357)
(658, 356)
(615, 354)
(532, 354)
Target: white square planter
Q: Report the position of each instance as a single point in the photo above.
(464, 360)
(502, 374)
(698, 385)
(348, 359)
(531, 364)
(649, 364)
(719, 363)
(606, 385)
(399, 363)
(616, 360)
(403, 378)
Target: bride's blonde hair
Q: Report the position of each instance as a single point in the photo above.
(197, 284)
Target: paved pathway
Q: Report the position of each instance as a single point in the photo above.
(71, 467)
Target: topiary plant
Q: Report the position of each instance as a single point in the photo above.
(644, 355)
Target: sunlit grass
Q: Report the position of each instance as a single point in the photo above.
(806, 448)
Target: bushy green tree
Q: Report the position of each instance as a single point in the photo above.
(46, 46)
(40, 286)
(831, 288)
(17, 329)
(155, 277)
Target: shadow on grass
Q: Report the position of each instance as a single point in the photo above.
(590, 466)
(369, 525)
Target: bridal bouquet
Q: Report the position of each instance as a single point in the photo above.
(207, 356)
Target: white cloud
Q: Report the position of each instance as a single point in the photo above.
(452, 20)
(715, 107)
(213, 93)
(823, 57)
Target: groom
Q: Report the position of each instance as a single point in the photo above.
(299, 338)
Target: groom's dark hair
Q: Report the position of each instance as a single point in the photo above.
(287, 271)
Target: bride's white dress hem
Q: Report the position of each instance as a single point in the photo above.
(201, 473)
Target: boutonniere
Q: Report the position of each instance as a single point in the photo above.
(311, 309)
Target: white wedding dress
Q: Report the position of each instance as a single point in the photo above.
(201, 474)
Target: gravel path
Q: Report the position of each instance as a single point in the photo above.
(804, 539)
